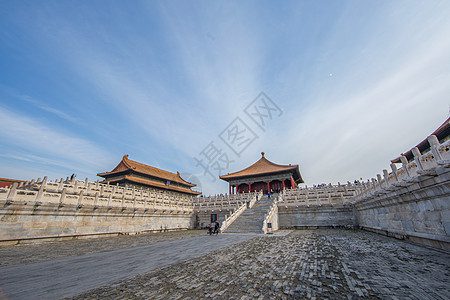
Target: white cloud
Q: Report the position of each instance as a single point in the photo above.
(388, 90)
(39, 143)
(47, 108)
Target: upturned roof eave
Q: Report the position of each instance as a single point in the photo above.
(294, 168)
(128, 164)
(123, 172)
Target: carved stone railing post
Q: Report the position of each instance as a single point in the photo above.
(61, 185)
(12, 192)
(386, 177)
(434, 145)
(374, 185)
(75, 187)
(96, 199)
(394, 171)
(40, 193)
(404, 162)
(88, 189)
(379, 181)
(80, 199)
(417, 157)
(63, 197)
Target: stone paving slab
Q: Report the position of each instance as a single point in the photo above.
(61, 277)
(317, 264)
(26, 253)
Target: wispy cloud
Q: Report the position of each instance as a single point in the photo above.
(47, 108)
(209, 79)
(42, 144)
(358, 82)
(376, 109)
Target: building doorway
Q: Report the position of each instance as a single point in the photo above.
(214, 218)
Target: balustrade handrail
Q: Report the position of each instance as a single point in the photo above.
(254, 199)
(271, 211)
(422, 165)
(99, 194)
(84, 193)
(227, 222)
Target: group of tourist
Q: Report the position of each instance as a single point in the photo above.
(214, 228)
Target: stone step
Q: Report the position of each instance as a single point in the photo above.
(251, 220)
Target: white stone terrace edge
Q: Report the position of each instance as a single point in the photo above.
(423, 165)
(94, 194)
(318, 196)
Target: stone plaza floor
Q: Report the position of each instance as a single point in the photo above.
(301, 264)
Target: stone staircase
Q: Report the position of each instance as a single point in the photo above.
(251, 220)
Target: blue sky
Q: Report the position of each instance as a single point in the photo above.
(84, 82)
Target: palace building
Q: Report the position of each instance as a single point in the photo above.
(132, 173)
(5, 182)
(265, 176)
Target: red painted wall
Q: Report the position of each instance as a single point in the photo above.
(8, 182)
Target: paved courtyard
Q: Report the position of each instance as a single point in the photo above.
(321, 264)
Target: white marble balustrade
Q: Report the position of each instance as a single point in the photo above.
(95, 194)
(222, 202)
(320, 195)
(422, 166)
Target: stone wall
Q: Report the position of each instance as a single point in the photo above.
(21, 222)
(41, 210)
(303, 217)
(412, 202)
(419, 212)
(318, 206)
(203, 218)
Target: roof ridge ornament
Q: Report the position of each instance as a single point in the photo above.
(262, 153)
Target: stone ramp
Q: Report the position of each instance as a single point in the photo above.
(251, 220)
